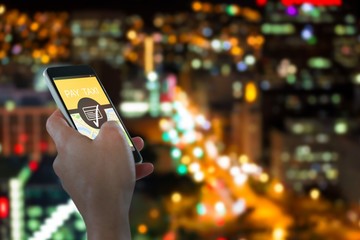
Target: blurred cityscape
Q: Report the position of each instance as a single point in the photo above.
(250, 114)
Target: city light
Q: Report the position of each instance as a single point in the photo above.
(246, 112)
(55, 221)
(4, 207)
(313, 2)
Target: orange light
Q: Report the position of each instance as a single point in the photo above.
(237, 51)
(169, 236)
(142, 228)
(196, 6)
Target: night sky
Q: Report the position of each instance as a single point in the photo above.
(144, 7)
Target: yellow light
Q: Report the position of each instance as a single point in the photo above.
(176, 197)
(2, 9)
(131, 34)
(142, 228)
(199, 176)
(264, 177)
(250, 92)
(279, 188)
(314, 194)
(185, 159)
(164, 124)
(243, 159)
(10, 105)
(149, 54)
(194, 167)
(45, 59)
(278, 234)
(211, 169)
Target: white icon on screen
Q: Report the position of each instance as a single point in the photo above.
(92, 113)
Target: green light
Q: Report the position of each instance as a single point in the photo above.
(182, 169)
(231, 10)
(166, 137)
(291, 79)
(175, 153)
(312, 40)
(225, 70)
(80, 225)
(315, 13)
(278, 29)
(350, 30)
(59, 236)
(336, 98)
(341, 128)
(50, 210)
(24, 174)
(33, 225)
(319, 63)
(308, 84)
(34, 211)
(63, 234)
(198, 152)
(339, 29)
(200, 209)
(196, 63)
(266, 28)
(350, 19)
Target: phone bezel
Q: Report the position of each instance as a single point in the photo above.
(78, 71)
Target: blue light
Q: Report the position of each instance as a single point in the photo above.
(241, 66)
(265, 85)
(226, 45)
(207, 32)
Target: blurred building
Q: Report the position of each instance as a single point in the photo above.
(314, 154)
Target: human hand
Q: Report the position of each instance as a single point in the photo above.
(99, 175)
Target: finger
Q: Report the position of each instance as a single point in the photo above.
(110, 135)
(58, 128)
(138, 142)
(143, 169)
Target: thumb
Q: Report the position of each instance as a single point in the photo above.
(58, 128)
(110, 133)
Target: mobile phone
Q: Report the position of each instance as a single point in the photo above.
(82, 99)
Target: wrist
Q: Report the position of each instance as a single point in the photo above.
(109, 229)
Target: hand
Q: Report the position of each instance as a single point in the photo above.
(99, 175)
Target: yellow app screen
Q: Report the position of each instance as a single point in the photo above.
(87, 104)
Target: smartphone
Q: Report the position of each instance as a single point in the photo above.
(83, 101)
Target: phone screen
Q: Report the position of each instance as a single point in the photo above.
(87, 104)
